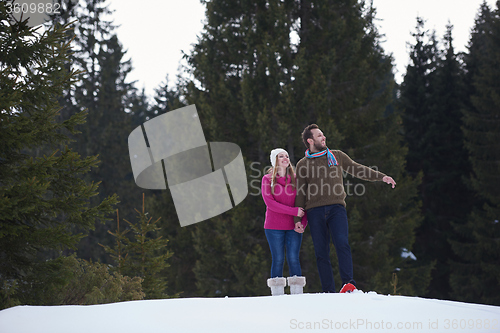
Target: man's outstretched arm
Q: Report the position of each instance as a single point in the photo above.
(363, 172)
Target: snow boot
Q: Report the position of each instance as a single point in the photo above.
(277, 285)
(348, 288)
(296, 284)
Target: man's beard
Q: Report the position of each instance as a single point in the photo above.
(318, 146)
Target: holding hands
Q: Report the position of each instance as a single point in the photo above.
(298, 226)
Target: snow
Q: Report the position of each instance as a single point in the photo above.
(355, 312)
(405, 253)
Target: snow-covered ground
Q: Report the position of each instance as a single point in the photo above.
(356, 312)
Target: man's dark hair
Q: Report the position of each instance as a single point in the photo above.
(307, 134)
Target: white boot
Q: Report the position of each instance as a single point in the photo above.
(296, 284)
(277, 285)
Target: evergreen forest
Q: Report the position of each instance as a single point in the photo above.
(76, 229)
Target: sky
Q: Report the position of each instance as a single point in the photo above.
(155, 32)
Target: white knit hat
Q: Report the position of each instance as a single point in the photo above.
(275, 153)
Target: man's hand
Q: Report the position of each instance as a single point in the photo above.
(300, 212)
(389, 180)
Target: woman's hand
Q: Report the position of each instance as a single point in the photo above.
(299, 227)
(301, 212)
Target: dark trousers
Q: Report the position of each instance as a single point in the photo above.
(325, 222)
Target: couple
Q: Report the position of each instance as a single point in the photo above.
(310, 195)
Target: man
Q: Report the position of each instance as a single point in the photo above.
(320, 191)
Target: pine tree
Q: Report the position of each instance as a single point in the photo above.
(44, 200)
(81, 282)
(417, 102)
(104, 91)
(475, 276)
(180, 274)
(166, 98)
(344, 84)
(142, 254)
(138, 107)
(447, 199)
(417, 96)
(240, 64)
(432, 96)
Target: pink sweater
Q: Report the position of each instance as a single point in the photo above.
(280, 206)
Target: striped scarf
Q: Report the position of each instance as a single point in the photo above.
(331, 158)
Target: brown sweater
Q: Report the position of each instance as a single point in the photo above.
(321, 185)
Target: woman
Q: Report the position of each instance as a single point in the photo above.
(279, 191)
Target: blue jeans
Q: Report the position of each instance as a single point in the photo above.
(325, 222)
(279, 240)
